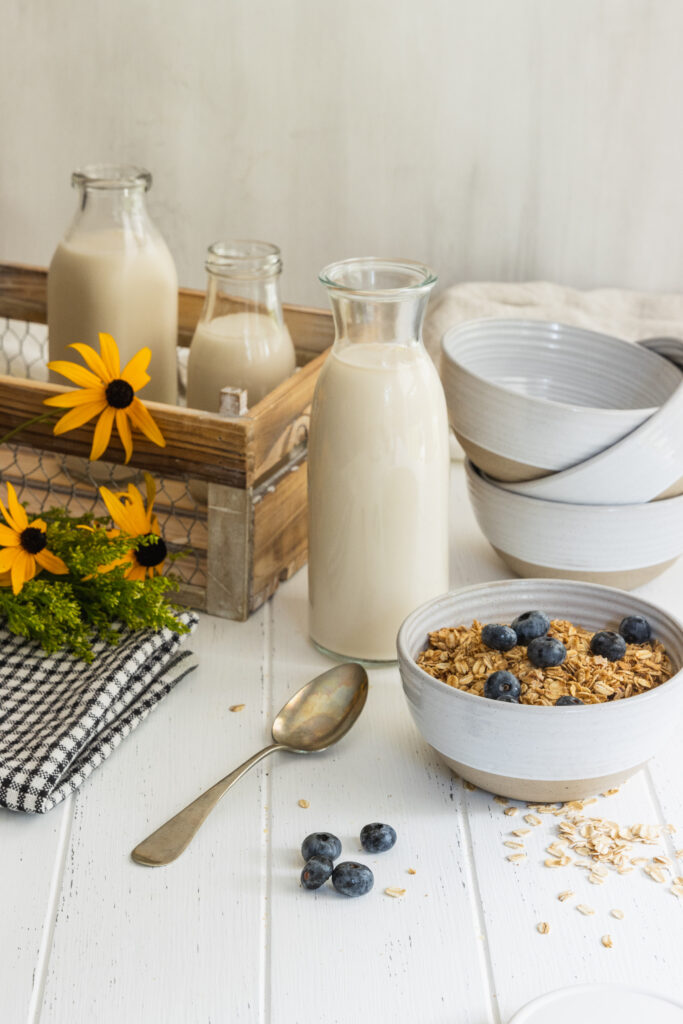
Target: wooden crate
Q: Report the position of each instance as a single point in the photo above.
(252, 533)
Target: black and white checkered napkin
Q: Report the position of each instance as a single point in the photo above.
(60, 717)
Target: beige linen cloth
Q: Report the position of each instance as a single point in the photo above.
(624, 314)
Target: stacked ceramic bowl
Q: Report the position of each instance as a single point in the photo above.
(575, 446)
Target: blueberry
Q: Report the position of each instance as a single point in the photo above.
(320, 844)
(377, 838)
(546, 652)
(316, 872)
(502, 685)
(635, 629)
(499, 638)
(529, 625)
(608, 645)
(566, 700)
(351, 879)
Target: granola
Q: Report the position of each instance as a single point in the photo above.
(458, 656)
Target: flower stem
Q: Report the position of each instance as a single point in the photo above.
(43, 418)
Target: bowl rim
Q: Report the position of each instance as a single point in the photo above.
(405, 657)
(552, 403)
(473, 471)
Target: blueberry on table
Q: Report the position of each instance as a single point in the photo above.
(316, 872)
(546, 652)
(608, 645)
(352, 879)
(499, 638)
(529, 625)
(503, 685)
(565, 700)
(320, 844)
(635, 629)
(377, 838)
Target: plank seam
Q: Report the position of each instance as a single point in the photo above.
(268, 713)
(50, 922)
(476, 898)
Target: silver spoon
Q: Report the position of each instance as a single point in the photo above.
(318, 715)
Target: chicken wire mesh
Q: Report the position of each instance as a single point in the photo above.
(44, 479)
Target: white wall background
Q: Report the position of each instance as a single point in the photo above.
(494, 139)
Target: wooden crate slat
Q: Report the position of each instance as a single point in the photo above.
(280, 544)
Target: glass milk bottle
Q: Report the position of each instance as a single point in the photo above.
(241, 339)
(113, 273)
(378, 463)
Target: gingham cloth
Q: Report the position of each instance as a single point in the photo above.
(60, 717)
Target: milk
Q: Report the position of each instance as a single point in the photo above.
(115, 282)
(378, 463)
(245, 350)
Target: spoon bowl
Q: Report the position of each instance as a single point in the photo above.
(317, 716)
(322, 711)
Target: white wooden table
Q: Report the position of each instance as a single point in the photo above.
(226, 934)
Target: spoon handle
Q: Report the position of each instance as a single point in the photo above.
(169, 841)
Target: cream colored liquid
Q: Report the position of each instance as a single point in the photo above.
(109, 281)
(241, 350)
(378, 464)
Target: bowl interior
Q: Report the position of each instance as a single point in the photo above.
(561, 364)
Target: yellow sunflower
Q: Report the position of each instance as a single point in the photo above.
(107, 392)
(23, 545)
(132, 517)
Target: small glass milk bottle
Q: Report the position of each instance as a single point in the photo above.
(241, 339)
(378, 463)
(112, 273)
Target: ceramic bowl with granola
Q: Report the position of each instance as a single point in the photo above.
(527, 688)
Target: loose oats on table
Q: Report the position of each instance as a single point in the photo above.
(458, 656)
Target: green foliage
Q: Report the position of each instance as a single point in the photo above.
(72, 611)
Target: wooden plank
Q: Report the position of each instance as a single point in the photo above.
(185, 942)
(229, 555)
(23, 296)
(208, 446)
(280, 535)
(281, 419)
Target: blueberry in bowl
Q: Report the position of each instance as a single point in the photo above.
(546, 652)
(608, 644)
(503, 685)
(530, 625)
(635, 629)
(499, 638)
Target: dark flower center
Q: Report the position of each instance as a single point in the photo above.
(152, 554)
(32, 540)
(119, 394)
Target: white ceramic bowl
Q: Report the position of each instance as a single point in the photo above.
(527, 398)
(644, 465)
(540, 753)
(622, 545)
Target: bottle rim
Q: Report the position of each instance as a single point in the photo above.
(244, 258)
(112, 176)
(377, 277)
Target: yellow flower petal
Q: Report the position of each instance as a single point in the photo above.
(123, 427)
(9, 538)
(110, 355)
(102, 433)
(136, 573)
(144, 422)
(8, 556)
(135, 370)
(127, 559)
(94, 361)
(73, 398)
(136, 510)
(21, 570)
(51, 562)
(17, 511)
(77, 417)
(38, 524)
(120, 513)
(75, 373)
(8, 519)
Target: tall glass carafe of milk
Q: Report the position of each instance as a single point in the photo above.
(378, 463)
(112, 273)
(241, 339)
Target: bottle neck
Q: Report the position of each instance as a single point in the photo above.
(225, 295)
(102, 209)
(363, 320)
